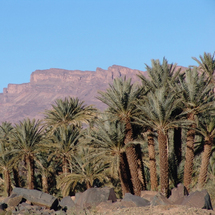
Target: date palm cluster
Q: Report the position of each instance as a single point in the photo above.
(147, 138)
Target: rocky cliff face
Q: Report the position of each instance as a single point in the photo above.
(19, 101)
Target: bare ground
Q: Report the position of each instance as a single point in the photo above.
(160, 210)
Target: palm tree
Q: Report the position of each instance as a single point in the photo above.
(159, 76)
(64, 145)
(86, 170)
(206, 127)
(70, 111)
(5, 167)
(196, 92)
(5, 159)
(107, 136)
(157, 110)
(26, 140)
(152, 158)
(47, 169)
(207, 64)
(120, 98)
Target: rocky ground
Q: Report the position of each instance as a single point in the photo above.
(102, 201)
(160, 210)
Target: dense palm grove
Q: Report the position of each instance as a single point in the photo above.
(153, 135)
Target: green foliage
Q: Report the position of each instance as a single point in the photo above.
(70, 111)
(206, 64)
(107, 137)
(86, 170)
(120, 98)
(160, 75)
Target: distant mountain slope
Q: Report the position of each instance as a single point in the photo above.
(19, 101)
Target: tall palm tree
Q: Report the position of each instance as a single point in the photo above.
(120, 98)
(107, 137)
(196, 92)
(47, 169)
(207, 64)
(152, 158)
(86, 170)
(70, 111)
(27, 140)
(157, 110)
(5, 168)
(64, 145)
(5, 158)
(160, 76)
(206, 127)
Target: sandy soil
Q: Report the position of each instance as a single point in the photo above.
(160, 210)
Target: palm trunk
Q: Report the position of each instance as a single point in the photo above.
(141, 173)
(132, 160)
(152, 163)
(163, 156)
(65, 166)
(8, 188)
(88, 185)
(30, 173)
(45, 183)
(189, 157)
(205, 162)
(124, 175)
(16, 178)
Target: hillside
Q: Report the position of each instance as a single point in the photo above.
(19, 101)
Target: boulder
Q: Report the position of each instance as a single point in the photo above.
(147, 194)
(160, 199)
(14, 200)
(94, 196)
(137, 200)
(67, 202)
(37, 197)
(198, 199)
(178, 193)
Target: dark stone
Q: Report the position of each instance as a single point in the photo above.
(139, 202)
(178, 193)
(148, 195)
(67, 202)
(37, 197)
(14, 200)
(160, 199)
(198, 199)
(93, 196)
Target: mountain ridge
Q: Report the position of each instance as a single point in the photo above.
(19, 101)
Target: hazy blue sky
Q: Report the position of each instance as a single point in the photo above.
(85, 34)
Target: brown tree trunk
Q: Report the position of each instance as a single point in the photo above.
(189, 157)
(45, 183)
(163, 156)
(16, 177)
(152, 162)
(124, 175)
(30, 172)
(8, 188)
(141, 173)
(132, 160)
(205, 162)
(88, 185)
